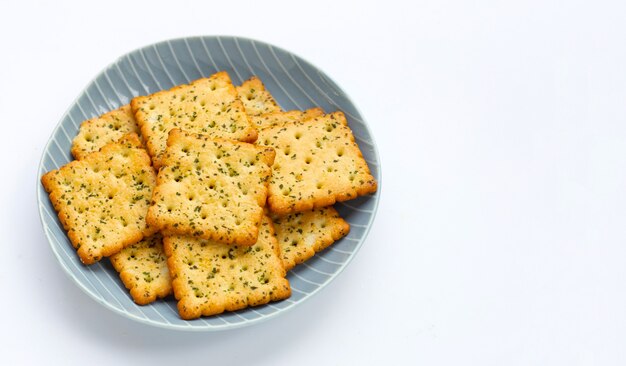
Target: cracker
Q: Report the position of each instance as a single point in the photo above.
(280, 118)
(209, 106)
(209, 278)
(96, 132)
(213, 189)
(256, 98)
(301, 235)
(102, 200)
(317, 164)
(143, 269)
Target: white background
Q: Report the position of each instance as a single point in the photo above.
(501, 233)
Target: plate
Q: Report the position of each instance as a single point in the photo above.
(295, 84)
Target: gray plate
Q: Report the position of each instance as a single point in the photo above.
(295, 83)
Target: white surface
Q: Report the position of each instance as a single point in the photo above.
(500, 236)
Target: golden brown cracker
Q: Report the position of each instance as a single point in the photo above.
(212, 189)
(143, 269)
(301, 235)
(102, 200)
(256, 98)
(96, 132)
(280, 118)
(209, 278)
(317, 164)
(209, 106)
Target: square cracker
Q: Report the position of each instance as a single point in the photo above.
(209, 278)
(317, 164)
(209, 188)
(301, 235)
(280, 118)
(256, 98)
(209, 106)
(102, 200)
(143, 269)
(96, 132)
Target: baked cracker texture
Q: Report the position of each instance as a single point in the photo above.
(209, 106)
(143, 269)
(280, 118)
(96, 132)
(301, 235)
(256, 98)
(317, 164)
(102, 200)
(209, 278)
(212, 189)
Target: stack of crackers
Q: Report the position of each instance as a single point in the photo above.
(208, 191)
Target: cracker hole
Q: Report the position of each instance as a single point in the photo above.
(202, 103)
(169, 209)
(152, 106)
(238, 222)
(285, 192)
(294, 242)
(308, 160)
(329, 169)
(172, 112)
(190, 197)
(203, 217)
(182, 98)
(88, 138)
(223, 109)
(340, 152)
(323, 225)
(213, 87)
(224, 203)
(318, 144)
(319, 185)
(178, 179)
(266, 142)
(329, 128)
(287, 151)
(298, 135)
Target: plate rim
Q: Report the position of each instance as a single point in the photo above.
(42, 195)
